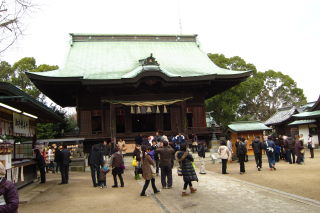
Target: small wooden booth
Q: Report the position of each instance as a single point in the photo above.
(19, 114)
(248, 130)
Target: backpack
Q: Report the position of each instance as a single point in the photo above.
(242, 149)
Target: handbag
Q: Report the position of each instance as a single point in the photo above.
(153, 170)
(134, 162)
(309, 146)
(194, 165)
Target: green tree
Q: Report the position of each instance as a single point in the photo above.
(5, 71)
(257, 98)
(20, 79)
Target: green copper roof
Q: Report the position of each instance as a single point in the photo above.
(244, 126)
(107, 57)
(300, 122)
(312, 114)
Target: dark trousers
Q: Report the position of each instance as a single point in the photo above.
(258, 158)
(241, 161)
(64, 169)
(157, 166)
(42, 175)
(311, 153)
(95, 172)
(277, 156)
(116, 181)
(186, 184)
(299, 158)
(166, 176)
(290, 153)
(224, 166)
(194, 148)
(146, 184)
(57, 167)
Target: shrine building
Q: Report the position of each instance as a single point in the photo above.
(122, 85)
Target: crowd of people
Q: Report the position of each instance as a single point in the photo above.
(287, 148)
(153, 155)
(55, 158)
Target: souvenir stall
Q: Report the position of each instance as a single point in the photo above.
(74, 145)
(19, 114)
(248, 130)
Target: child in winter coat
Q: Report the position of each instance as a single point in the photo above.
(103, 176)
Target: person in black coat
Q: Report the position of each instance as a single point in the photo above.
(241, 153)
(138, 139)
(185, 160)
(41, 165)
(57, 157)
(257, 147)
(64, 167)
(95, 161)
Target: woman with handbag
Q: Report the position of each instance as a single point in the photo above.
(185, 160)
(117, 165)
(148, 171)
(137, 165)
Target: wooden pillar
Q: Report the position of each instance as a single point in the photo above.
(107, 121)
(183, 117)
(112, 121)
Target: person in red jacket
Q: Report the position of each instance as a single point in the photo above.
(9, 198)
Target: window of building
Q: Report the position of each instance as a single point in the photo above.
(313, 130)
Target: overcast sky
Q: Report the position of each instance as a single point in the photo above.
(283, 35)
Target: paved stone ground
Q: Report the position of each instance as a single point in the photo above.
(216, 193)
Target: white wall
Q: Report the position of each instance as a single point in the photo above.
(304, 129)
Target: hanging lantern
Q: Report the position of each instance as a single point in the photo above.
(158, 110)
(165, 109)
(149, 110)
(132, 110)
(138, 110)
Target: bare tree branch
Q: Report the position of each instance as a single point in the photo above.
(12, 15)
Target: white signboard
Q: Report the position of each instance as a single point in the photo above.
(21, 124)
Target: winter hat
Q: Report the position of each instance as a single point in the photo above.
(2, 170)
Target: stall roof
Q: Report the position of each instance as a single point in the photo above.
(300, 122)
(14, 97)
(244, 126)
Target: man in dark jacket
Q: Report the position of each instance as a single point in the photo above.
(9, 198)
(57, 157)
(289, 147)
(257, 149)
(65, 161)
(95, 161)
(166, 157)
(41, 165)
(241, 153)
